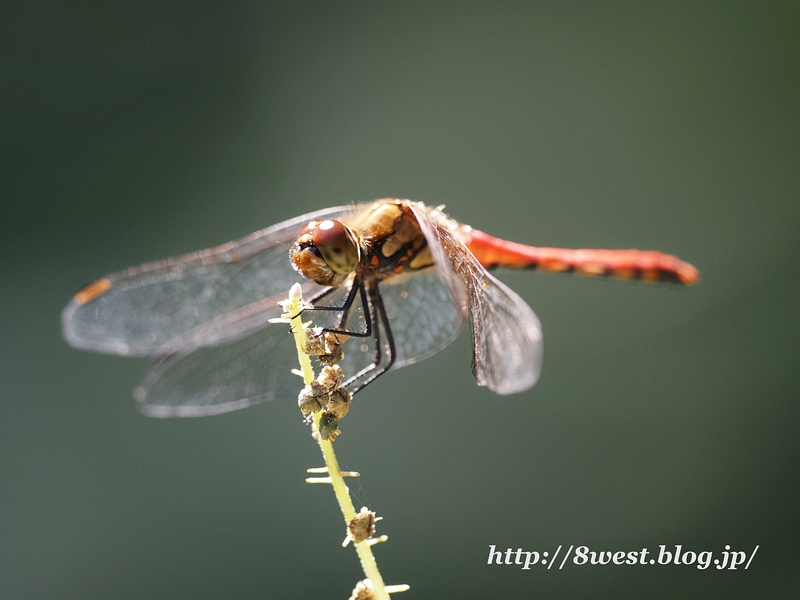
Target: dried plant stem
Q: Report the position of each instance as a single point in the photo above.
(364, 550)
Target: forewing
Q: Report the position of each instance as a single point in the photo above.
(196, 299)
(506, 334)
(251, 367)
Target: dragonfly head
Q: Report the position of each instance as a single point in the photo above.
(326, 252)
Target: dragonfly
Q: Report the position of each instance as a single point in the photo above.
(399, 278)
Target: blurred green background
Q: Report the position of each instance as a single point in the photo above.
(135, 132)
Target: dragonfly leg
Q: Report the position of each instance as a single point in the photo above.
(356, 288)
(378, 367)
(348, 302)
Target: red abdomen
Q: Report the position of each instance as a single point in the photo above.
(645, 265)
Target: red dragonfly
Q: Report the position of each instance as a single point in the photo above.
(400, 278)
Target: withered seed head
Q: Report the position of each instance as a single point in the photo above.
(313, 398)
(330, 377)
(362, 526)
(363, 591)
(329, 427)
(315, 341)
(339, 403)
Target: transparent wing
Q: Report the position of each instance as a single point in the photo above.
(191, 300)
(256, 367)
(422, 314)
(506, 334)
(217, 379)
(207, 313)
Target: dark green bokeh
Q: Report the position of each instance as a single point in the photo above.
(664, 416)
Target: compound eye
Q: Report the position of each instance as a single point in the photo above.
(337, 245)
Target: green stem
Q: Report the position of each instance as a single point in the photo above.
(364, 550)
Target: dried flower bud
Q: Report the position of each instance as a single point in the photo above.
(338, 403)
(363, 591)
(362, 526)
(333, 346)
(315, 341)
(312, 398)
(325, 345)
(330, 377)
(331, 359)
(329, 427)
